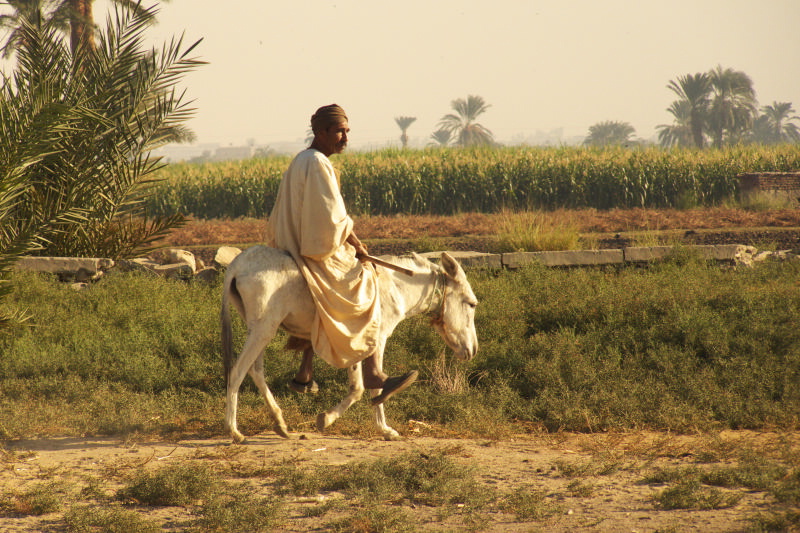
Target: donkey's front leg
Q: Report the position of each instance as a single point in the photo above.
(379, 418)
(378, 415)
(356, 381)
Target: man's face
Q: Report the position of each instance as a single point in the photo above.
(334, 139)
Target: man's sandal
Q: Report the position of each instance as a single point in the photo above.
(304, 388)
(394, 385)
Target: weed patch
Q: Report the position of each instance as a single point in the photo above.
(238, 510)
(374, 518)
(39, 499)
(691, 494)
(179, 484)
(529, 503)
(114, 519)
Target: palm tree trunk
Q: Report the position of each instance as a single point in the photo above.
(697, 129)
(82, 24)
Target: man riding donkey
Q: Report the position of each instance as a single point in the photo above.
(309, 220)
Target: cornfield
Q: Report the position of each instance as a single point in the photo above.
(447, 181)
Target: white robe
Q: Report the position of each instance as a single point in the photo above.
(309, 221)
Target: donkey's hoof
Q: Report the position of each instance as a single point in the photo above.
(237, 437)
(322, 422)
(392, 435)
(282, 430)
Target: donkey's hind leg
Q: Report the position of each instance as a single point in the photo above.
(252, 349)
(257, 373)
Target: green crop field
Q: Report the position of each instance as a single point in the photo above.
(448, 181)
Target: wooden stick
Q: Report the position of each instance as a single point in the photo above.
(390, 266)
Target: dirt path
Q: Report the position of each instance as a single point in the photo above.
(592, 482)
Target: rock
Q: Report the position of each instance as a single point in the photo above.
(225, 255)
(182, 271)
(207, 275)
(139, 264)
(182, 256)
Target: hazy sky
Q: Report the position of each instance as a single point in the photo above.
(540, 64)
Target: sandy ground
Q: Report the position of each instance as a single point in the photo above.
(618, 501)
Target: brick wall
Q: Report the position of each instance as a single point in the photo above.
(779, 184)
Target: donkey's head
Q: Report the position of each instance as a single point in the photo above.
(455, 318)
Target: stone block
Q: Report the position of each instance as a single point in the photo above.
(564, 258)
(645, 254)
(469, 259)
(733, 253)
(76, 268)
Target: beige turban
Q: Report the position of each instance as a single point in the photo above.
(327, 116)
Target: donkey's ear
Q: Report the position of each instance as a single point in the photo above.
(451, 266)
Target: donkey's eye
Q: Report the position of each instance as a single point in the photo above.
(473, 305)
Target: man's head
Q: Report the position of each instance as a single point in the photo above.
(330, 127)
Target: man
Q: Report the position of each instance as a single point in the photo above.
(309, 221)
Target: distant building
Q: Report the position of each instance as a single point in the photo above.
(233, 153)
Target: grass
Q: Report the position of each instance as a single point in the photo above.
(681, 345)
(530, 231)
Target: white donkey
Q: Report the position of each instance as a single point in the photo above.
(268, 290)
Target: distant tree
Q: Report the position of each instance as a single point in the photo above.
(679, 133)
(609, 133)
(462, 125)
(404, 123)
(776, 124)
(694, 90)
(440, 137)
(732, 108)
(31, 11)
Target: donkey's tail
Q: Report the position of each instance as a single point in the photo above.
(227, 332)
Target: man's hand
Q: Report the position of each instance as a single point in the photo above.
(361, 250)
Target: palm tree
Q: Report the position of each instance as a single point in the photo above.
(733, 105)
(90, 120)
(440, 138)
(609, 133)
(695, 90)
(462, 125)
(404, 123)
(74, 16)
(679, 133)
(775, 124)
